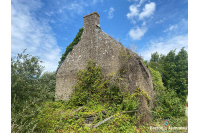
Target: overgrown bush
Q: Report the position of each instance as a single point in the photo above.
(157, 79)
(95, 93)
(93, 85)
(60, 117)
(167, 103)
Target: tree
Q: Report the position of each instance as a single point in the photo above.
(182, 71)
(155, 61)
(25, 72)
(154, 57)
(29, 90)
(47, 83)
(169, 66)
(173, 69)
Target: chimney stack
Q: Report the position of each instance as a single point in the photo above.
(91, 22)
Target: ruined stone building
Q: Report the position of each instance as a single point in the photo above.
(109, 54)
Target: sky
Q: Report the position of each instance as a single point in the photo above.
(46, 27)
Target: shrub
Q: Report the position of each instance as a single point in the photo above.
(157, 79)
(167, 104)
(96, 93)
(92, 85)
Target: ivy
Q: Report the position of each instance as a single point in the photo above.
(71, 45)
(92, 85)
(157, 79)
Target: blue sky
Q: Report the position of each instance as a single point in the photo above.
(47, 27)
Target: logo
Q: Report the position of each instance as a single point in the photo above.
(167, 128)
(165, 122)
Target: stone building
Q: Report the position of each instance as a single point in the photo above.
(109, 54)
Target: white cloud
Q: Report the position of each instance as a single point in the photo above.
(110, 13)
(174, 40)
(172, 27)
(144, 23)
(148, 10)
(37, 36)
(137, 33)
(159, 21)
(133, 12)
(63, 11)
(164, 46)
(132, 0)
(49, 13)
(73, 8)
(96, 1)
(179, 28)
(76, 7)
(141, 2)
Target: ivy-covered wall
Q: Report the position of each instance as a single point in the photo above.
(112, 56)
(71, 45)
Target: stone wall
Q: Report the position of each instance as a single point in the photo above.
(95, 45)
(112, 57)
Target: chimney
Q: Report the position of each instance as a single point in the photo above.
(91, 22)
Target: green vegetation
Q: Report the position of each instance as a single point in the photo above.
(173, 69)
(71, 45)
(29, 90)
(93, 86)
(170, 81)
(34, 110)
(167, 104)
(96, 94)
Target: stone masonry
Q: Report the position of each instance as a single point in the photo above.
(110, 55)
